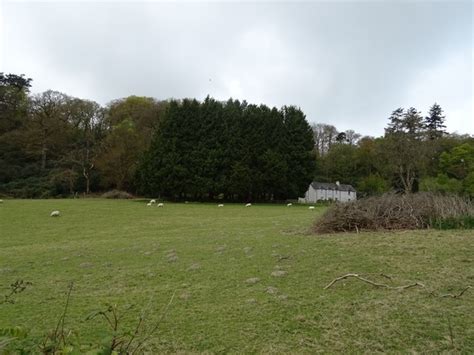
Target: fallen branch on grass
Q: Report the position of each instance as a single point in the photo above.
(404, 287)
(458, 295)
(376, 284)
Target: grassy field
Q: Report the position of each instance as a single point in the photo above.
(126, 253)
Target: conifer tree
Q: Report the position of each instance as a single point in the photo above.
(396, 121)
(434, 122)
(300, 154)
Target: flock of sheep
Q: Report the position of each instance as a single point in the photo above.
(153, 202)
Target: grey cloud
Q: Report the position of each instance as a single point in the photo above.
(345, 63)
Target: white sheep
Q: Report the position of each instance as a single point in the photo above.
(220, 205)
(152, 201)
(160, 205)
(148, 204)
(311, 207)
(248, 205)
(55, 214)
(289, 205)
(1, 201)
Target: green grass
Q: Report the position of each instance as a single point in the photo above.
(122, 252)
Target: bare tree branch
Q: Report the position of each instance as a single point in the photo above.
(458, 295)
(376, 284)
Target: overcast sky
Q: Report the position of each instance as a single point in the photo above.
(346, 63)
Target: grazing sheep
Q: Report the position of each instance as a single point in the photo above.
(160, 205)
(311, 207)
(55, 214)
(248, 205)
(1, 201)
(152, 201)
(220, 205)
(148, 204)
(290, 204)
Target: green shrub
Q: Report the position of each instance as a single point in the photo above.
(442, 183)
(468, 185)
(372, 185)
(32, 187)
(464, 222)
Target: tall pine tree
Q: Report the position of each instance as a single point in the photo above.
(434, 122)
(396, 121)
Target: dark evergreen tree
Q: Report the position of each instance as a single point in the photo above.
(13, 101)
(396, 122)
(300, 155)
(240, 151)
(434, 122)
(13, 117)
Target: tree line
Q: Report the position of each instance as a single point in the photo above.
(415, 153)
(52, 144)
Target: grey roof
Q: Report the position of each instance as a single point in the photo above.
(331, 186)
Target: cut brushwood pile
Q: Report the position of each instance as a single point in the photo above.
(393, 211)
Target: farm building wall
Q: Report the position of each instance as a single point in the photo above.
(315, 195)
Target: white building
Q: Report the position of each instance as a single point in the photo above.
(322, 191)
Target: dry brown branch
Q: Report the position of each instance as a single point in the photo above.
(458, 295)
(393, 212)
(404, 287)
(376, 284)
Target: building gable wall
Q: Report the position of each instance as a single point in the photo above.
(315, 195)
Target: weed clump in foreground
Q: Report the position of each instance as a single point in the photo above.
(391, 211)
(117, 194)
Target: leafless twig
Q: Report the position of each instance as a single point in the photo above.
(404, 287)
(458, 295)
(376, 284)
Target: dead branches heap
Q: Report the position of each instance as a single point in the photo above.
(392, 211)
